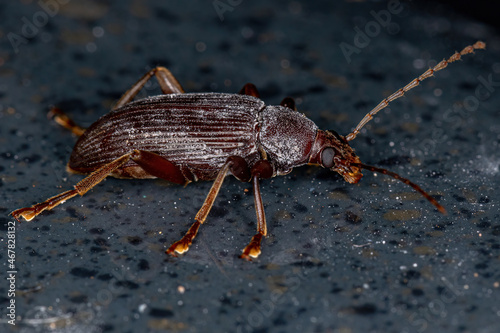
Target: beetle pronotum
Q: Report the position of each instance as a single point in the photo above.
(204, 136)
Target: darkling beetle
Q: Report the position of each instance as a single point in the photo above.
(204, 136)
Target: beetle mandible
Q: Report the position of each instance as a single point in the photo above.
(185, 137)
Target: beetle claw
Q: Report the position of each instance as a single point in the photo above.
(179, 247)
(183, 245)
(27, 213)
(252, 250)
(171, 252)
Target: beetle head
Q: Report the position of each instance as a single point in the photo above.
(331, 150)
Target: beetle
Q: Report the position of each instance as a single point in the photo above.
(186, 137)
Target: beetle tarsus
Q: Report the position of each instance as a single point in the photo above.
(29, 213)
(183, 245)
(252, 250)
(63, 120)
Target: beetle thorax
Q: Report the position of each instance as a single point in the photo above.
(285, 137)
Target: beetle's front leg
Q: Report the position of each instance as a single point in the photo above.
(239, 168)
(261, 170)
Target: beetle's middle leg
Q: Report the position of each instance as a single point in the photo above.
(168, 84)
(239, 168)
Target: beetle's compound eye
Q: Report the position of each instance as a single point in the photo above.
(327, 156)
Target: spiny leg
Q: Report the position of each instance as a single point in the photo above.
(430, 72)
(168, 84)
(81, 188)
(261, 170)
(239, 168)
(150, 162)
(62, 119)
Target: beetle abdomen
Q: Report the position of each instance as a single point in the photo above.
(195, 130)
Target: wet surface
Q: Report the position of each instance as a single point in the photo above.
(370, 257)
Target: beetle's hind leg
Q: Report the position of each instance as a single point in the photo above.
(62, 119)
(239, 168)
(150, 162)
(81, 188)
(168, 84)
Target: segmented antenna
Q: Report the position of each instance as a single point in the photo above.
(394, 175)
(430, 72)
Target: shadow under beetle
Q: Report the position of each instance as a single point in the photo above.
(204, 136)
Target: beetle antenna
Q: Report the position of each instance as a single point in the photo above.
(404, 180)
(430, 72)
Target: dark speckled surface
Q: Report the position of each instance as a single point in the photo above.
(371, 257)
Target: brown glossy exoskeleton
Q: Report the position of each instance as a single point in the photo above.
(204, 136)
